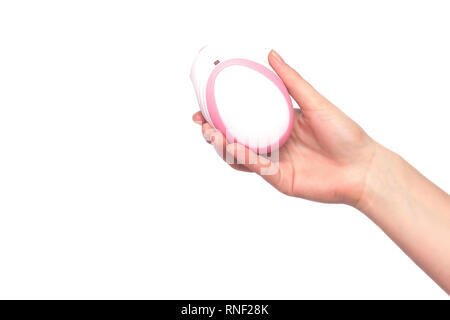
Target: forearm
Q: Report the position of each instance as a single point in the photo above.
(412, 211)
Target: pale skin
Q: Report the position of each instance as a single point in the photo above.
(329, 158)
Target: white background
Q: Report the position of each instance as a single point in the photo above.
(107, 189)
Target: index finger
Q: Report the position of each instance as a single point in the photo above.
(198, 118)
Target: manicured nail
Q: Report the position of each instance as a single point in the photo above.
(277, 56)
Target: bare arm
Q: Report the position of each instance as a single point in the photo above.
(412, 211)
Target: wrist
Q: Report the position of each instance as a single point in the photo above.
(381, 173)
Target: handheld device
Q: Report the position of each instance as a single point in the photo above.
(242, 97)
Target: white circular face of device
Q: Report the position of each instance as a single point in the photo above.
(251, 106)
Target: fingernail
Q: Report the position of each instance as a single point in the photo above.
(277, 56)
(213, 138)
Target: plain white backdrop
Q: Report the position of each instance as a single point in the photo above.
(107, 189)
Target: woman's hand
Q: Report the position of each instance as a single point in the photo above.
(327, 156)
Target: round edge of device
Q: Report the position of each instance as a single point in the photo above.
(214, 112)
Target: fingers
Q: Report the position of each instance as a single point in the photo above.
(198, 118)
(239, 167)
(219, 143)
(254, 162)
(214, 137)
(236, 155)
(207, 131)
(303, 93)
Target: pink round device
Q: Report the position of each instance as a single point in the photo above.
(242, 98)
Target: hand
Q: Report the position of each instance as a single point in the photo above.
(325, 159)
(329, 158)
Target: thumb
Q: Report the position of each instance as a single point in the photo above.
(303, 93)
